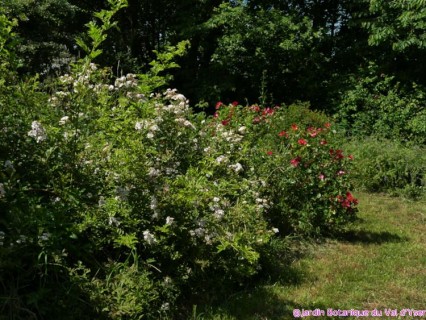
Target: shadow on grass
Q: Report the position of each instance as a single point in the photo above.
(277, 262)
(259, 304)
(266, 298)
(369, 237)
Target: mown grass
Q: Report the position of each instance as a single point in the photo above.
(378, 263)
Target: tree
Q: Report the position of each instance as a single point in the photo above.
(398, 29)
(47, 29)
(241, 48)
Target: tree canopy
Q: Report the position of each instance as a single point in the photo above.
(265, 51)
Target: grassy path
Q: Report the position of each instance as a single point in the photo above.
(379, 263)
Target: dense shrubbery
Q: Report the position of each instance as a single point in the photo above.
(378, 105)
(388, 166)
(120, 204)
(386, 125)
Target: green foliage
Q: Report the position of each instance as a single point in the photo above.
(377, 104)
(396, 36)
(258, 47)
(388, 166)
(46, 30)
(125, 293)
(100, 191)
(401, 24)
(8, 59)
(97, 34)
(301, 114)
(165, 60)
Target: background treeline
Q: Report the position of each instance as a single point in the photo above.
(267, 51)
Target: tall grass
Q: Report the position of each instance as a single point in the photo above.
(388, 166)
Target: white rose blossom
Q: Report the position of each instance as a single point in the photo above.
(149, 237)
(221, 159)
(63, 120)
(113, 221)
(154, 128)
(170, 220)
(242, 130)
(154, 203)
(165, 306)
(45, 236)
(236, 167)
(101, 201)
(138, 126)
(219, 213)
(188, 124)
(22, 239)
(152, 172)
(37, 132)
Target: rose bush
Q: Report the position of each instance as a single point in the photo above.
(305, 176)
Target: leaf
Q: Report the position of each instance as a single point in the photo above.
(127, 240)
(80, 42)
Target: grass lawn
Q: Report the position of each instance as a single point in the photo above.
(380, 262)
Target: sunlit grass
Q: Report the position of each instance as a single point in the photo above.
(380, 262)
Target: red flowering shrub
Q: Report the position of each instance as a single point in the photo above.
(311, 194)
(306, 177)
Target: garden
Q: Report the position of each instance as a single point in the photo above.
(120, 198)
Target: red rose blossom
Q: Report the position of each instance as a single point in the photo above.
(256, 120)
(295, 162)
(302, 142)
(339, 154)
(283, 134)
(268, 111)
(255, 108)
(313, 132)
(336, 154)
(351, 198)
(346, 203)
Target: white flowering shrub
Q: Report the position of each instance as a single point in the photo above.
(125, 199)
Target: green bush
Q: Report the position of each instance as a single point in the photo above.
(388, 166)
(378, 105)
(301, 114)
